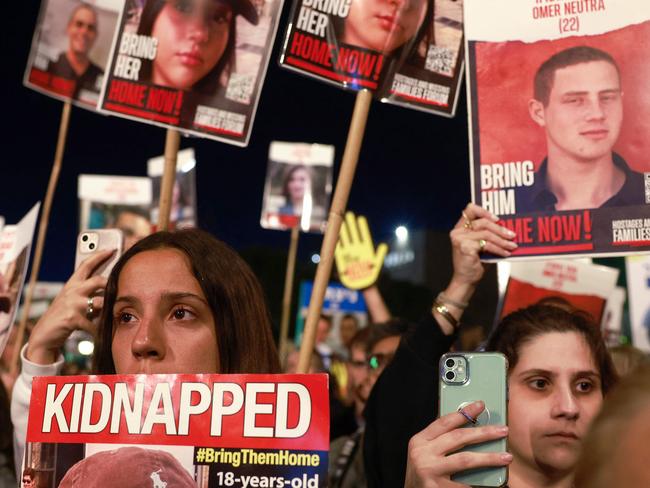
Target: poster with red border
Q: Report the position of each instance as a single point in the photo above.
(559, 122)
(70, 49)
(202, 431)
(560, 282)
(407, 53)
(194, 66)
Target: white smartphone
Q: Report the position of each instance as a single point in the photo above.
(90, 242)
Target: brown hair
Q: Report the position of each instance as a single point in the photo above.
(233, 293)
(545, 75)
(602, 445)
(521, 326)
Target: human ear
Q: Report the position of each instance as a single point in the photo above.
(536, 111)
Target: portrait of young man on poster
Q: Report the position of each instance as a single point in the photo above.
(75, 63)
(578, 102)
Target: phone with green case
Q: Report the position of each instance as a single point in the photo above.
(466, 377)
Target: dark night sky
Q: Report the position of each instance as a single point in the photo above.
(413, 168)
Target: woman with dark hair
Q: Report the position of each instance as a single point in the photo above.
(180, 302)
(195, 41)
(559, 371)
(296, 186)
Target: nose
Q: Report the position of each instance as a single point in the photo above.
(565, 404)
(199, 30)
(595, 110)
(149, 341)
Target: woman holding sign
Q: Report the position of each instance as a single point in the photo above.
(196, 41)
(179, 302)
(559, 371)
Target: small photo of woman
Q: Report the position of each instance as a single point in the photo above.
(298, 186)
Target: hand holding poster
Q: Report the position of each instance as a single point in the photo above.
(409, 53)
(179, 430)
(70, 49)
(557, 150)
(357, 261)
(195, 65)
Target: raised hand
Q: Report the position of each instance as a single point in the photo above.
(357, 260)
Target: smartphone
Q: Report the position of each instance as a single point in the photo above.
(90, 242)
(468, 377)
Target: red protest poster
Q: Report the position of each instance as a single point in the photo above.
(559, 122)
(70, 49)
(179, 431)
(408, 53)
(193, 65)
(571, 283)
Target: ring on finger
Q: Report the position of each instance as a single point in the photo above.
(481, 245)
(467, 416)
(468, 222)
(90, 309)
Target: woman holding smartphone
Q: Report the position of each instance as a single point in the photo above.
(559, 372)
(180, 302)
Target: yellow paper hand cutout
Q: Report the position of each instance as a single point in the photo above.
(357, 261)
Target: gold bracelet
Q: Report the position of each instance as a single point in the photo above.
(442, 298)
(442, 309)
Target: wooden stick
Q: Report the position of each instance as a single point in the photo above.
(335, 218)
(42, 233)
(172, 142)
(288, 288)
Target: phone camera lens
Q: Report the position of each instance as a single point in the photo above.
(91, 246)
(84, 237)
(450, 375)
(450, 363)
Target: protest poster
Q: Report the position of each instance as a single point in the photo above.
(70, 49)
(557, 151)
(122, 202)
(560, 282)
(15, 247)
(408, 53)
(637, 269)
(345, 308)
(202, 430)
(298, 186)
(183, 202)
(612, 323)
(161, 72)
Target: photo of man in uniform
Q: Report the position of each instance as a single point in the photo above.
(75, 64)
(578, 101)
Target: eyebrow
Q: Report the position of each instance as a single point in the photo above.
(166, 296)
(588, 373)
(586, 92)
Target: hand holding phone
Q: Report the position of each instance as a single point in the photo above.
(79, 302)
(464, 379)
(467, 444)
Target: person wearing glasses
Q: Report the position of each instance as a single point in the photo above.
(74, 64)
(346, 468)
